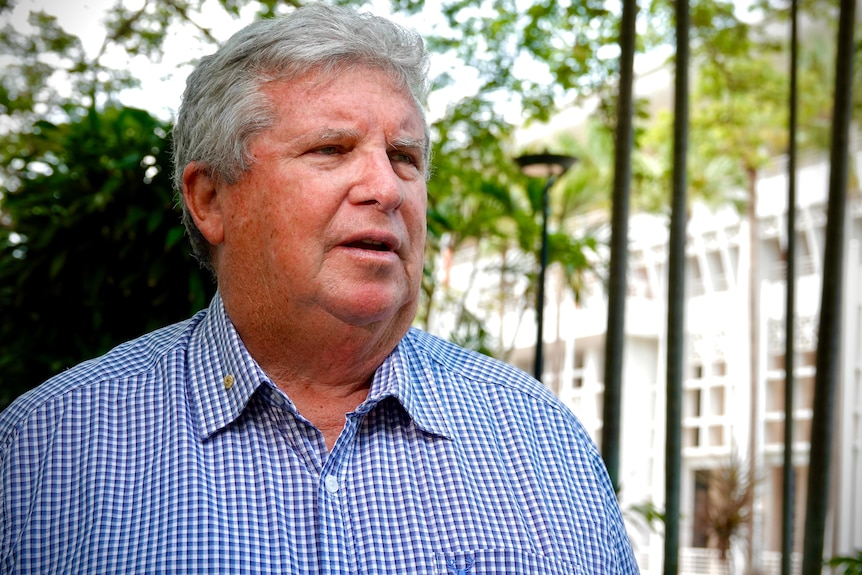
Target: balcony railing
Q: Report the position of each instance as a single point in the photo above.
(699, 561)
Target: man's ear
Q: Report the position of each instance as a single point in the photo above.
(200, 194)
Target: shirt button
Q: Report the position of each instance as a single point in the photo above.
(330, 482)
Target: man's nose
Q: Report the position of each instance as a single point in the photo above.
(378, 183)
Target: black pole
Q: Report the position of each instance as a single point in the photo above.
(552, 167)
(676, 296)
(614, 339)
(829, 332)
(788, 480)
(538, 364)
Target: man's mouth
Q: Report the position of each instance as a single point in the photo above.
(370, 245)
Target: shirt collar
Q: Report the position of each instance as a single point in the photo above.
(406, 376)
(222, 374)
(223, 377)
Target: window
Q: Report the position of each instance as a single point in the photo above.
(578, 377)
(716, 435)
(691, 437)
(694, 280)
(691, 403)
(700, 535)
(804, 393)
(716, 400)
(776, 361)
(716, 271)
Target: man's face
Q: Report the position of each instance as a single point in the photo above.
(331, 216)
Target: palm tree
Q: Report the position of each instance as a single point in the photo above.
(727, 512)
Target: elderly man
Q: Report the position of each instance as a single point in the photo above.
(299, 424)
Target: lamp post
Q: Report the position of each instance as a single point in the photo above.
(551, 167)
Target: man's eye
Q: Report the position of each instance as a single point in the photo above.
(327, 150)
(403, 158)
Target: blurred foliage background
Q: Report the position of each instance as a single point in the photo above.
(91, 249)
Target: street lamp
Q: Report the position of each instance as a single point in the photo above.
(551, 167)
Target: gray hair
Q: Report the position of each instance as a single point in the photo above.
(223, 107)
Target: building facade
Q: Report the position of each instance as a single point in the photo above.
(733, 391)
(734, 384)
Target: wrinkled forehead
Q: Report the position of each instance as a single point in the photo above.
(321, 74)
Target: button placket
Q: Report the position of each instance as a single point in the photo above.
(335, 530)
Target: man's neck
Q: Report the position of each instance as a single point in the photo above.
(326, 371)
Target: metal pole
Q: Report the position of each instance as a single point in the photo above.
(538, 364)
(552, 167)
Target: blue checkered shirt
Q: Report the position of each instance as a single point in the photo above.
(175, 453)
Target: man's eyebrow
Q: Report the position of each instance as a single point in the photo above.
(331, 134)
(405, 142)
(408, 144)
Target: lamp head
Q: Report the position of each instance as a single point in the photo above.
(544, 165)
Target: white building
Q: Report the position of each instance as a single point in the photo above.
(723, 413)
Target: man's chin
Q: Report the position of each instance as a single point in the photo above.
(375, 310)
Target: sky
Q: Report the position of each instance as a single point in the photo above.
(162, 82)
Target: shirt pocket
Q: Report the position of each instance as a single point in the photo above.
(502, 562)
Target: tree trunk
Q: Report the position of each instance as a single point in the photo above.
(753, 344)
(676, 296)
(788, 482)
(829, 334)
(619, 248)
